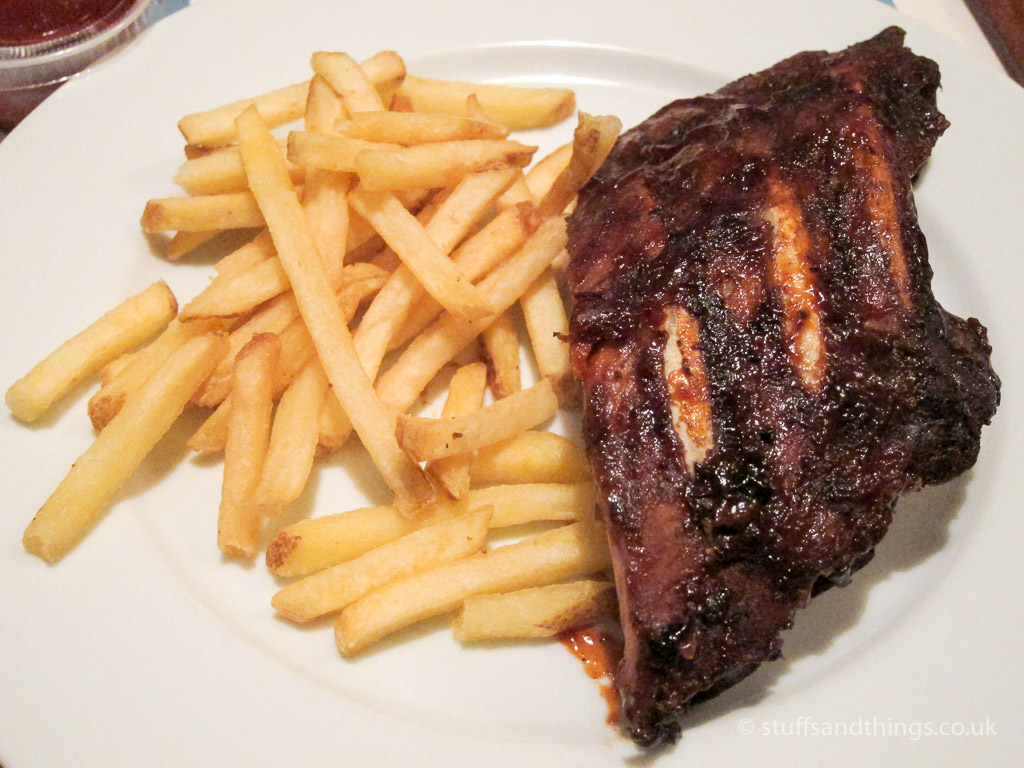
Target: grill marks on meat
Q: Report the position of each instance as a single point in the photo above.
(765, 368)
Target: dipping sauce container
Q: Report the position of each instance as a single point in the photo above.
(44, 42)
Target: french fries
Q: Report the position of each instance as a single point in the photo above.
(427, 166)
(516, 108)
(314, 544)
(216, 127)
(328, 152)
(465, 395)
(334, 588)
(562, 553)
(431, 439)
(418, 128)
(268, 178)
(348, 80)
(220, 171)
(325, 195)
(238, 525)
(524, 503)
(403, 294)
(408, 198)
(501, 349)
(228, 210)
(116, 453)
(118, 331)
(531, 457)
(107, 401)
(420, 253)
(293, 441)
(591, 143)
(548, 327)
(536, 612)
(311, 545)
(405, 380)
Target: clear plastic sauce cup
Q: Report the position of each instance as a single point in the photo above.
(45, 42)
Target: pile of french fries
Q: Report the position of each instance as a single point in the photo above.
(393, 235)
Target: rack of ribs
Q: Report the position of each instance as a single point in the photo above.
(765, 368)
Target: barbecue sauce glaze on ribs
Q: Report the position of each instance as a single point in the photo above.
(765, 368)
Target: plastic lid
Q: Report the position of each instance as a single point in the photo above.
(57, 58)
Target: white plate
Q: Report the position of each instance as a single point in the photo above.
(143, 648)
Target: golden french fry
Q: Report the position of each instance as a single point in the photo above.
(386, 70)
(348, 80)
(312, 545)
(274, 317)
(555, 555)
(335, 427)
(592, 141)
(532, 457)
(332, 589)
(534, 185)
(326, 192)
(465, 395)
(536, 612)
(518, 192)
(418, 128)
(110, 397)
(260, 248)
(501, 349)
(296, 350)
(118, 331)
(372, 420)
(235, 294)
(514, 107)
(192, 151)
(98, 473)
(216, 127)
(252, 395)
(443, 164)
(326, 205)
(324, 107)
(118, 364)
(492, 245)
(541, 175)
(536, 502)
(400, 103)
(293, 441)
(473, 108)
(220, 171)
(230, 210)
(307, 149)
(308, 546)
(451, 221)
(420, 253)
(548, 327)
(426, 439)
(405, 380)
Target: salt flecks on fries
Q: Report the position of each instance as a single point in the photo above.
(401, 234)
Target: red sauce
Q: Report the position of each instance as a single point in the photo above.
(27, 22)
(600, 654)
